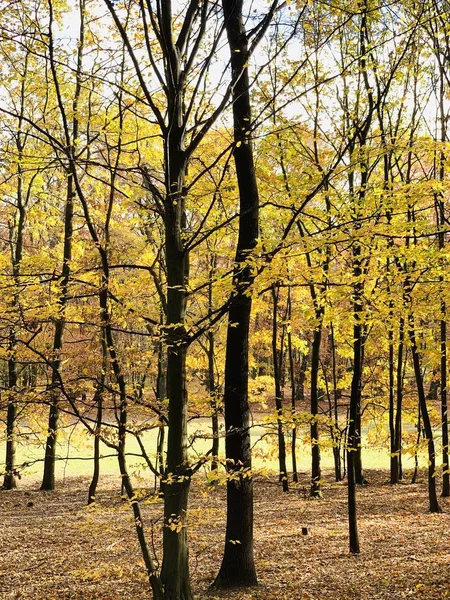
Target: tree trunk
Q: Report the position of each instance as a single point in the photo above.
(161, 393)
(211, 372)
(338, 433)
(316, 474)
(277, 357)
(213, 401)
(444, 406)
(175, 565)
(9, 480)
(416, 448)
(432, 496)
(96, 472)
(48, 480)
(353, 437)
(98, 425)
(238, 567)
(396, 473)
(293, 394)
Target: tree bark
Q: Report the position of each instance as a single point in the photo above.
(9, 480)
(48, 479)
(277, 357)
(316, 474)
(238, 567)
(293, 392)
(432, 495)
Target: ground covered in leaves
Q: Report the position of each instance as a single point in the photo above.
(54, 546)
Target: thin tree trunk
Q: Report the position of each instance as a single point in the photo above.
(161, 393)
(316, 474)
(99, 417)
(432, 496)
(9, 480)
(338, 433)
(416, 448)
(354, 436)
(277, 354)
(211, 373)
(293, 392)
(444, 404)
(96, 472)
(397, 463)
(48, 479)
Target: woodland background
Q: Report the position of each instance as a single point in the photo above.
(223, 235)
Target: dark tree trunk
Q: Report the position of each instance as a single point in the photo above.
(396, 462)
(393, 458)
(353, 437)
(48, 479)
(432, 496)
(444, 405)
(211, 373)
(213, 401)
(293, 393)
(16, 240)
(9, 480)
(238, 567)
(316, 474)
(277, 357)
(96, 472)
(99, 417)
(175, 565)
(337, 441)
(416, 448)
(442, 54)
(359, 471)
(161, 393)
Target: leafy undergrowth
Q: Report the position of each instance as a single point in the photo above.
(53, 546)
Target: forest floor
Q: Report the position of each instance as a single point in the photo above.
(54, 546)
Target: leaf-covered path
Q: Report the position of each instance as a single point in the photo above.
(53, 546)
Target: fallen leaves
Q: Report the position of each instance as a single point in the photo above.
(60, 548)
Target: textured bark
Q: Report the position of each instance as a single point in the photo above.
(316, 474)
(277, 356)
(432, 495)
(293, 393)
(16, 235)
(396, 462)
(9, 480)
(337, 440)
(48, 479)
(211, 382)
(238, 567)
(175, 565)
(161, 394)
(98, 424)
(354, 437)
